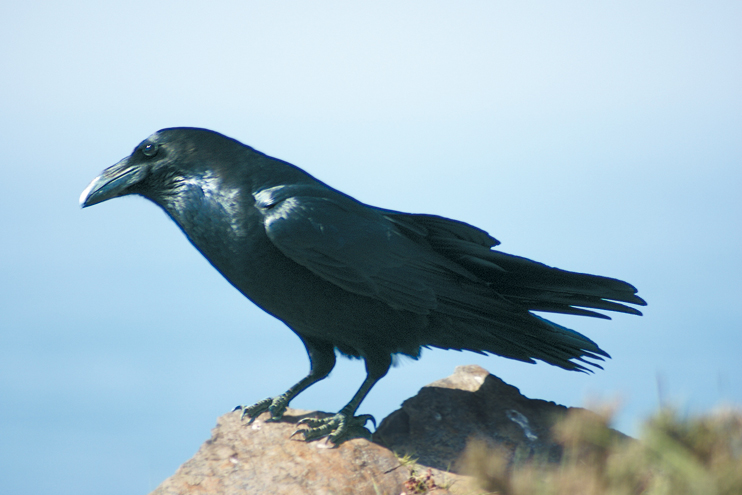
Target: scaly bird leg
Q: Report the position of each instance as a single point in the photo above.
(321, 359)
(344, 425)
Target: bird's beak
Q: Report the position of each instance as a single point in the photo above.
(113, 182)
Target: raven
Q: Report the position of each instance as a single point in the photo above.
(345, 276)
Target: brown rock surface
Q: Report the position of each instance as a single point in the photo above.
(432, 428)
(260, 458)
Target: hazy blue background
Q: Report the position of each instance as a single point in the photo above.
(594, 136)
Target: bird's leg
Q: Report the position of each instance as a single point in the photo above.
(344, 425)
(321, 359)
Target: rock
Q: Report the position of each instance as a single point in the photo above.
(436, 425)
(428, 434)
(260, 458)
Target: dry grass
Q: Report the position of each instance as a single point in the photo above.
(674, 456)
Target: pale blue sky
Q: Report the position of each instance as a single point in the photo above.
(596, 137)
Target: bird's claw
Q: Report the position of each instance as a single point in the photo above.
(276, 406)
(336, 429)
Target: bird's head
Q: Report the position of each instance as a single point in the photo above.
(149, 168)
(159, 165)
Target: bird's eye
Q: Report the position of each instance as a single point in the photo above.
(150, 150)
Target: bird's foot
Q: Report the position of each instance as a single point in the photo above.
(337, 428)
(276, 406)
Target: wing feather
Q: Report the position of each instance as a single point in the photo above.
(353, 246)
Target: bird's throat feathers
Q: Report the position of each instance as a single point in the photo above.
(205, 208)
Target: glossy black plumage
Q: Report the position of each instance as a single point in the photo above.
(343, 275)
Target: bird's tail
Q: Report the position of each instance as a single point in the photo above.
(494, 314)
(509, 331)
(537, 287)
(542, 288)
(528, 283)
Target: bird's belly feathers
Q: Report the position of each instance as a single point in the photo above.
(310, 305)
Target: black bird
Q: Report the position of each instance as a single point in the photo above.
(346, 276)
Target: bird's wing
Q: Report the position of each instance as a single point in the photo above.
(354, 246)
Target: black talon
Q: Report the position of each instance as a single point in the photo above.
(367, 417)
(335, 429)
(275, 406)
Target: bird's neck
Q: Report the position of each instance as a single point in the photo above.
(223, 224)
(209, 213)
